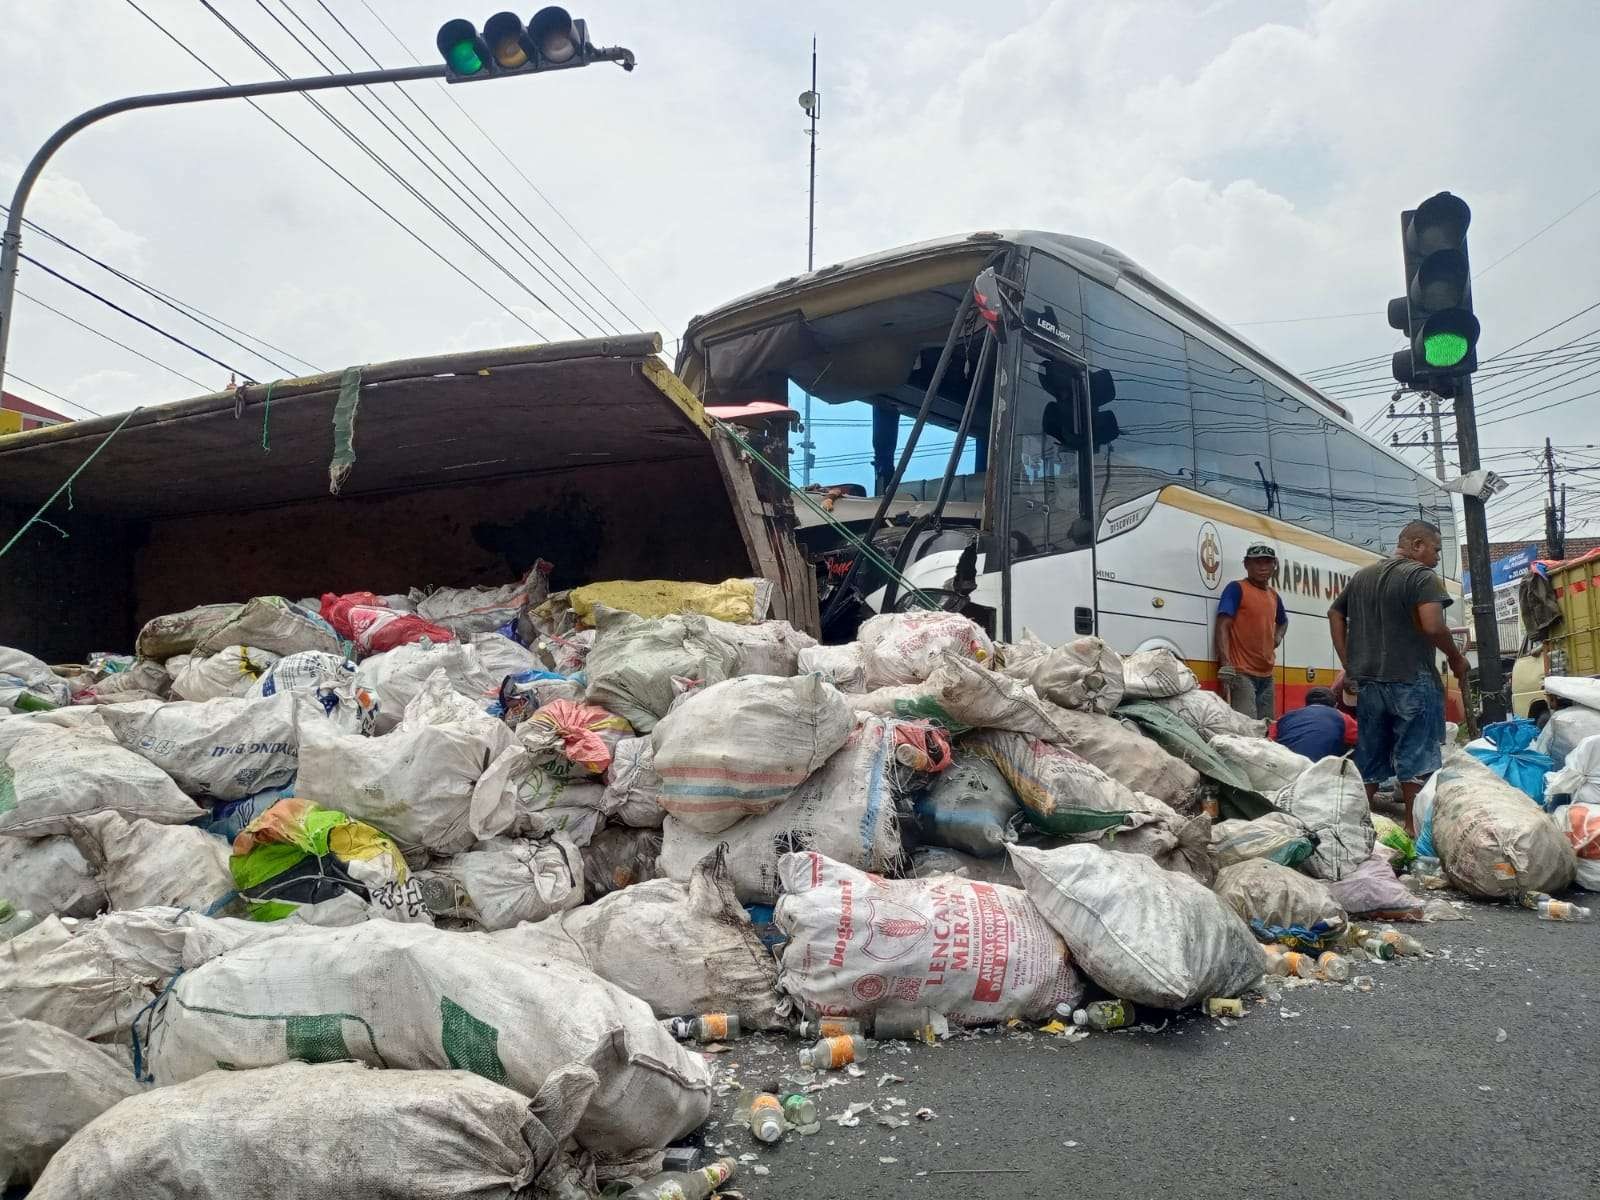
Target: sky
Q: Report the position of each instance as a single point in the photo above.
(1254, 154)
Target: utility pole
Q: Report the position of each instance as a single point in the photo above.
(811, 103)
(1438, 438)
(1563, 520)
(1553, 530)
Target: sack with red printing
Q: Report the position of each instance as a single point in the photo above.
(976, 952)
(373, 627)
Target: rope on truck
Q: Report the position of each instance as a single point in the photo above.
(861, 544)
(55, 495)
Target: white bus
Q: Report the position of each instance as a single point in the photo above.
(1128, 447)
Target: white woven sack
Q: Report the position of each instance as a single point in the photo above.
(52, 1084)
(508, 880)
(846, 810)
(633, 788)
(141, 864)
(739, 748)
(415, 783)
(1268, 766)
(48, 875)
(1149, 935)
(220, 749)
(337, 1129)
(906, 647)
(681, 948)
(396, 676)
(231, 671)
(416, 998)
(1331, 799)
(1084, 673)
(1208, 714)
(839, 665)
(92, 981)
(975, 952)
(1154, 674)
(49, 778)
(1492, 840)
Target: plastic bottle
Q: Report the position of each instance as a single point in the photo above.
(1223, 1006)
(1404, 944)
(1333, 967)
(684, 1185)
(825, 1027)
(766, 1118)
(1532, 900)
(1561, 910)
(829, 1054)
(1104, 1015)
(14, 920)
(710, 1027)
(1292, 962)
(909, 1025)
(1376, 947)
(799, 1109)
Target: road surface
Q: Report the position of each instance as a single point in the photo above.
(1403, 1091)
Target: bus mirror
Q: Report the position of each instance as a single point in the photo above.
(1103, 393)
(998, 313)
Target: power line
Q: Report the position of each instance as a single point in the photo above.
(1300, 320)
(1541, 233)
(39, 387)
(487, 215)
(413, 234)
(151, 325)
(470, 161)
(512, 163)
(114, 342)
(181, 307)
(377, 158)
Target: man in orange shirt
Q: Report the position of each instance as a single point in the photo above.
(1251, 622)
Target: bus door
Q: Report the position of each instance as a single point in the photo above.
(1046, 514)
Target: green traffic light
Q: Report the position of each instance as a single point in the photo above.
(1444, 349)
(463, 58)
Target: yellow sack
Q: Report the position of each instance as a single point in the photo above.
(732, 600)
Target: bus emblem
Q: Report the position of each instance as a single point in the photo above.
(1210, 554)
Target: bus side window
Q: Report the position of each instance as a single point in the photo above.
(1048, 510)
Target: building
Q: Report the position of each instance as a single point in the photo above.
(1509, 562)
(17, 414)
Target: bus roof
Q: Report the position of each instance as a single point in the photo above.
(1096, 259)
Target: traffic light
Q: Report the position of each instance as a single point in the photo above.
(550, 41)
(1435, 314)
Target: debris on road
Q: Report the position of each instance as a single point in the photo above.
(546, 874)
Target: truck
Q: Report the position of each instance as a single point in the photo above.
(1561, 610)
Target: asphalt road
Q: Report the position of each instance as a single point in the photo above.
(1318, 1091)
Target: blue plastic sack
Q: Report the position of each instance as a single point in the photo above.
(1512, 757)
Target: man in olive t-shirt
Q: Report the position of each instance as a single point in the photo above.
(1388, 627)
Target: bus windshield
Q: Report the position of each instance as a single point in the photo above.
(866, 368)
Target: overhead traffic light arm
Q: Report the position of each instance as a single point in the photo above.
(562, 42)
(11, 249)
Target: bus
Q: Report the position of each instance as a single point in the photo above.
(1116, 448)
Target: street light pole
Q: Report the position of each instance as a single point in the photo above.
(11, 249)
(811, 103)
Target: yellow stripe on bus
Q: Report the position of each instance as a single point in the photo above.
(1270, 527)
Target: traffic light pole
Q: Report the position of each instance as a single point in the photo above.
(1491, 680)
(11, 249)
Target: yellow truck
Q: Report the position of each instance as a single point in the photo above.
(1561, 611)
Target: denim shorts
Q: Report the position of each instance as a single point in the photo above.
(1399, 728)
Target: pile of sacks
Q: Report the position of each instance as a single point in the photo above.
(492, 837)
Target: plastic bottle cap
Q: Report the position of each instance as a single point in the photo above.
(7, 910)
